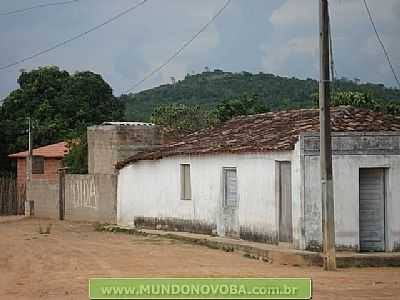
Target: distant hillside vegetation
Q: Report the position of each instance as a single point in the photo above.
(210, 88)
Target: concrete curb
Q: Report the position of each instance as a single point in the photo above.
(270, 253)
(264, 253)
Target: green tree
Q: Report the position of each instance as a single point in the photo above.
(209, 89)
(392, 108)
(355, 99)
(244, 105)
(364, 100)
(182, 118)
(188, 118)
(77, 158)
(62, 106)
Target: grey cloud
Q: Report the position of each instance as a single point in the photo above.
(356, 51)
(255, 35)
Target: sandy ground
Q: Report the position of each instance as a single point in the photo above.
(58, 265)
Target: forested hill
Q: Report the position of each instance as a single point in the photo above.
(210, 88)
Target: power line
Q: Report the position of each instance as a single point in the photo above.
(381, 43)
(22, 10)
(58, 45)
(177, 52)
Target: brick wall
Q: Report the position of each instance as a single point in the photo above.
(21, 171)
(51, 166)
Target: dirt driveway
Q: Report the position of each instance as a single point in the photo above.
(58, 265)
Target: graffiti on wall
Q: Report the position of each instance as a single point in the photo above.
(84, 193)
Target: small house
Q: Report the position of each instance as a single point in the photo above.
(46, 161)
(258, 178)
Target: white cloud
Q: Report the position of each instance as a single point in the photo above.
(344, 13)
(158, 47)
(126, 50)
(356, 50)
(294, 12)
(277, 57)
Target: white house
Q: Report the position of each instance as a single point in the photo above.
(258, 178)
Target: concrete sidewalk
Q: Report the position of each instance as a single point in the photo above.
(272, 253)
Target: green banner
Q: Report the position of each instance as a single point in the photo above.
(200, 288)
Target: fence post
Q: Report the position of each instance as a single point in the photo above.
(2, 195)
(62, 172)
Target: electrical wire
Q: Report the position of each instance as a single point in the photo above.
(177, 52)
(58, 45)
(381, 42)
(22, 10)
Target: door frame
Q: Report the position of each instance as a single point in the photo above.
(278, 198)
(385, 169)
(222, 231)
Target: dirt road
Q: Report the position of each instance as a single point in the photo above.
(58, 265)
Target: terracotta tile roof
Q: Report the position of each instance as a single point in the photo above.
(58, 150)
(273, 131)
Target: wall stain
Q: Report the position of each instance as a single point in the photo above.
(314, 246)
(396, 247)
(175, 224)
(246, 233)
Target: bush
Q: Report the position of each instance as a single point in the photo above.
(77, 158)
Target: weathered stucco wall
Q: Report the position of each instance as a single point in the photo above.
(149, 191)
(87, 198)
(297, 198)
(45, 195)
(352, 151)
(91, 197)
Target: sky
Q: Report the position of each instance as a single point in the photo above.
(270, 36)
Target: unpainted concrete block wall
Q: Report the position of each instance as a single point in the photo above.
(45, 195)
(109, 144)
(91, 197)
(100, 150)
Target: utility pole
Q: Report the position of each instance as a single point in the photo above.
(30, 136)
(28, 167)
(29, 157)
(328, 206)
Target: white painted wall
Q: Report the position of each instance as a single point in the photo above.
(297, 198)
(346, 192)
(152, 189)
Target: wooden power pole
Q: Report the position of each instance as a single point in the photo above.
(28, 166)
(28, 169)
(328, 206)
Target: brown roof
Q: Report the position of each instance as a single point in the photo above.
(273, 131)
(58, 150)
